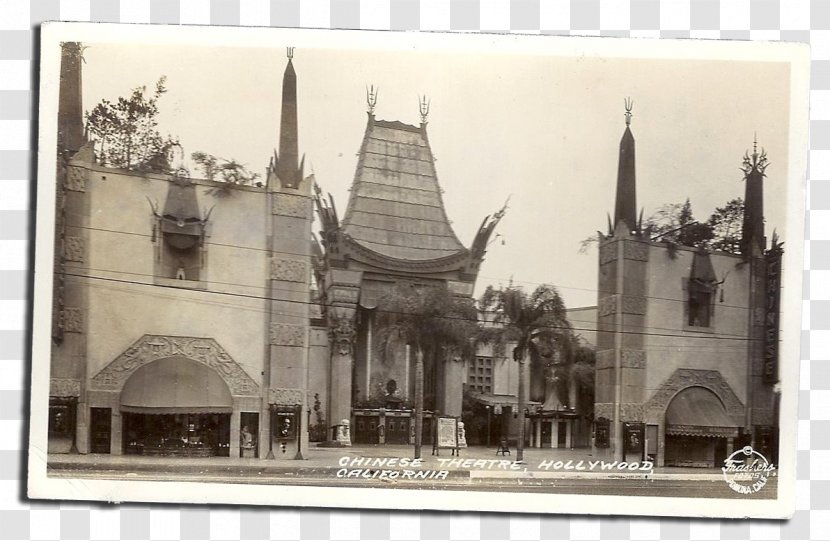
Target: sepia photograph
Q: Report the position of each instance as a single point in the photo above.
(386, 270)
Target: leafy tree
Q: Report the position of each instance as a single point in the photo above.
(538, 326)
(675, 224)
(126, 131)
(231, 172)
(437, 324)
(726, 223)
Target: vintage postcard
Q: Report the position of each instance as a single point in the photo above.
(418, 271)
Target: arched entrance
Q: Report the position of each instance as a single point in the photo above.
(164, 389)
(699, 432)
(176, 407)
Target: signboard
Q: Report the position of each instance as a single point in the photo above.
(602, 427)
(772, 296)
(634, 439)
(285, 423)
(447, 433)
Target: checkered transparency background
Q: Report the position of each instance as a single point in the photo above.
(789, 20)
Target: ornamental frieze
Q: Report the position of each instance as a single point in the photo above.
(633, 304)
(289, 270)
(633, 358)
(348, 295)
(605, 359)
(607, 305)
(296, 206)
(604, 409)
(607, 253)
(629, 358)
(149, 348)
(638, 251)
(632, 412)
(285, 397)
(64, 387)
(629, 412)
(72, 320)
(688, 377)
(75, 179)
(73, 249)
(286, 334)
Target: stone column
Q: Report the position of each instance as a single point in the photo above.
(554, 434)
(235, 428)
(116, 432)
(451, 402)
(569, 433)
(539, 422)
(342, 334)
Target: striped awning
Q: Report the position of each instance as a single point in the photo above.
(698, 412)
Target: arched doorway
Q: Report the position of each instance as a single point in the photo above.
(162, 375)
(699, 433)
(176, 407)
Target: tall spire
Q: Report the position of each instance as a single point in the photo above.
(70, 106)
(753, 168)
(287, 166)
(625, 209)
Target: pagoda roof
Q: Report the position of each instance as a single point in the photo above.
(395, 207)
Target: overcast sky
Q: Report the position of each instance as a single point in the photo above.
(543, 130)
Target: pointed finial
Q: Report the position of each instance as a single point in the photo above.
(629, 104)
(289, 52)
(372, 98)
(423, 107)
(755, 145)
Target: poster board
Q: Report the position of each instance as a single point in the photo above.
(446, 433)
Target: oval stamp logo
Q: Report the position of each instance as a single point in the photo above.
(746, 471)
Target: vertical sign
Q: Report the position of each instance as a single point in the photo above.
(771, 314)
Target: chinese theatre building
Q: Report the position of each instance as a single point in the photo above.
(687, 338)
(395, 232)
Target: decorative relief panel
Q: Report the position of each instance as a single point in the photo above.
(289, 270)
(285, 334)
(149, 348)
(607, 305)
(72, 319)
(604, 409)
(637, 251)
(607, 253)
(605, 359)
(688, 377)
(341, 294)
(633, 358)
(628, 412)
(63, 387)
(342, 332)
(76, 179)
(73, 249)
(634, 304)
(291, 205)
(285, 397)
(632, 412)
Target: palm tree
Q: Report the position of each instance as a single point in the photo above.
(538, 326)
(433, 321)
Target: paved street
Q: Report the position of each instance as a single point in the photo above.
(478, 469)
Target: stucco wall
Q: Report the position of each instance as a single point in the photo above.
(698, 348)
(231, 309)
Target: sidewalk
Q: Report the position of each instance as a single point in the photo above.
(473, 463)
